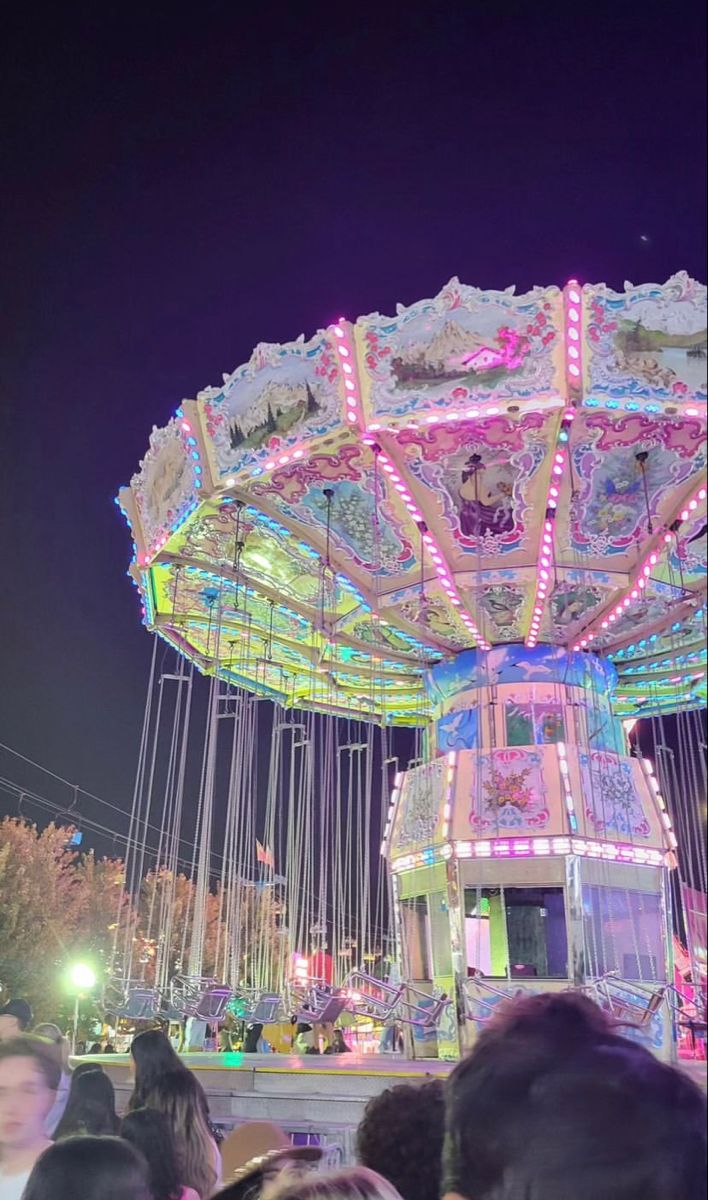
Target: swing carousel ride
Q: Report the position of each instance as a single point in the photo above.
(483, 518)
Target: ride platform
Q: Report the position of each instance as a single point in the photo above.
(318, 1099)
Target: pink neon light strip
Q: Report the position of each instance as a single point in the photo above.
(534, 848)
(572, 301)
(348, 368)
(641, 579)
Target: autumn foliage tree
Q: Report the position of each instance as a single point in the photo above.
(58, 906)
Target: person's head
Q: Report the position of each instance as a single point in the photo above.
(256, 1153)
(29, 1078)
(151, 1055)
(83, 1068)
(93, 1168)
(553, 1102)
(179, 1096)
(90, 1107)
(15, 1019)
(53, 1034)
(401, 1137)
(356, 1183)
(151, 1133)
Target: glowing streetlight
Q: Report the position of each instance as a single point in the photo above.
(82, 979)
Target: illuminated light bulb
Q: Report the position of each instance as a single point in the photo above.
(653, 559)
(573, 352)
(691, 412)
(343, 351)
(605, 624)
(351, 416)
(557, 470)
(560, 458)
(339, 332)
(573, 369)
(269, 466)
(430, 420)
(472, 412)
(375, 426)
(573, 314)
(667, 538)
(573, 334)
(685, 514)
(702, 494)
(553, 491)
(346, 367)
(351, 401)
(574, 296)
(642, 583)
(646, 571)
(693, 505)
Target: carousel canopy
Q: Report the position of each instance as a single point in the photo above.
(481, 468)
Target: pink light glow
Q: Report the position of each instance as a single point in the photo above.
(186, 427)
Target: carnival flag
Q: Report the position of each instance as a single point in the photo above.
(264, 856)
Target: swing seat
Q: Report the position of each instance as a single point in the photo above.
(419, 1013)
(370, 997)
(203, 998)
(322, 1007)
(627, 1002)
(133, 1000)
(266, 1009)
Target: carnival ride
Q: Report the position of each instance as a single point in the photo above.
(483, 518)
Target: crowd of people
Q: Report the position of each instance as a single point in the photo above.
(553, 1103)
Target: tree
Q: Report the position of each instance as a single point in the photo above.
(41, 900)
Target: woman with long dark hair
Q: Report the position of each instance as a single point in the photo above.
(91, 1107)
(180, 1098)
(150, 1132)
(152, 1056)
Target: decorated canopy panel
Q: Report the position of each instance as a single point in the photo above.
(481, 469)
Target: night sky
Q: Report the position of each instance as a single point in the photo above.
(178, 187)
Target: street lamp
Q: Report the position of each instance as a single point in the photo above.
(82, 979)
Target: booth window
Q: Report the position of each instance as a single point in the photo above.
(416, 931)
(624, 933)
(516, 933)
(538, 724)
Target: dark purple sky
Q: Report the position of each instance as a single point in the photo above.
(177, 188)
